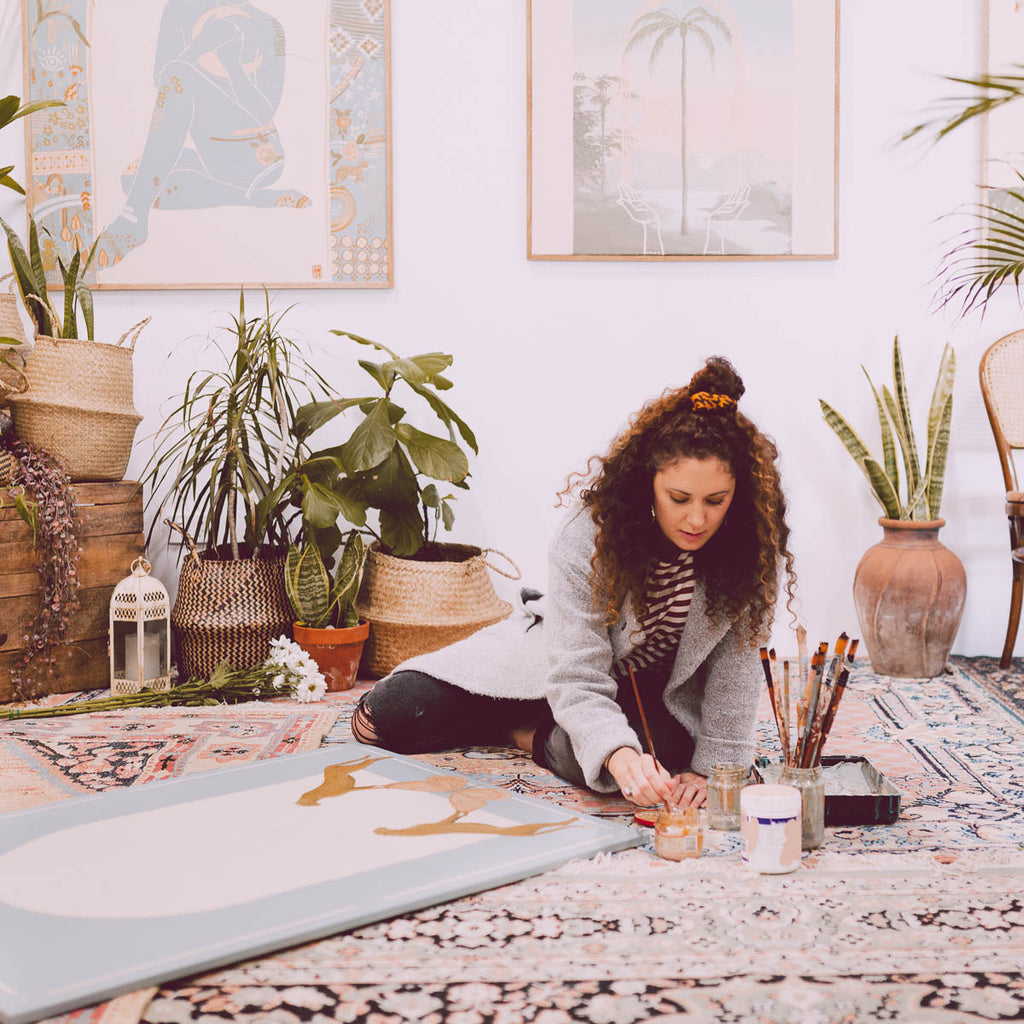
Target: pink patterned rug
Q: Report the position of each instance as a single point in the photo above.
(919, 920)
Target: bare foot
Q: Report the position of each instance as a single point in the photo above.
(523, 738)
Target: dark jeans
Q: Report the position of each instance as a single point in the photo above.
(414, 713)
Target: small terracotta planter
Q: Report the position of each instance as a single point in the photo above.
(335, 650)
(909, 592)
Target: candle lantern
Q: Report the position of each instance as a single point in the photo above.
(140, 633)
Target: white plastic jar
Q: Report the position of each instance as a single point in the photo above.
(770, 822)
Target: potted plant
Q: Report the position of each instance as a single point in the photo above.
(216, 472)
(327, 626)
(418, 593)
(909, 589)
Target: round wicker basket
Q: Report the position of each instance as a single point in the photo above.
(415, 607)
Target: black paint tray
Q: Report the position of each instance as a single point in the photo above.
(879, 805)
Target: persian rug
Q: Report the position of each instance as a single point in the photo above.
(921, 920)
(45, 759)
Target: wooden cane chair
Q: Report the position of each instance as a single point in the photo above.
(1002, 386)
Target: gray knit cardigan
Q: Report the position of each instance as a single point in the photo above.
(712, 690)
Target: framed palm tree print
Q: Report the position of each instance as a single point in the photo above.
(682, 129)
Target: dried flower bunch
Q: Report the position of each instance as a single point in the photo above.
(289, 672)
(44, 497)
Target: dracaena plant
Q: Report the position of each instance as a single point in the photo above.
(921, 495)
(386, 464)
(319, 600)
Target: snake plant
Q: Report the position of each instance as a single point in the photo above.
(318, 601)
(923, 490)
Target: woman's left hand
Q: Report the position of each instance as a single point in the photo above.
(689, 790)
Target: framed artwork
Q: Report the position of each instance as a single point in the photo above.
(1002, 130)
(176, 877)
(680, 130)
(212, 143)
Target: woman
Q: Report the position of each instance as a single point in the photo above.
(666, 574)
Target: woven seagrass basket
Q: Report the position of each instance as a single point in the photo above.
(228, 611)
(79, 404)
(415, 607)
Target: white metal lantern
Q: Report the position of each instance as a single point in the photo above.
(140, 633)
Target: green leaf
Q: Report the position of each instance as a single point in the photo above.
(10, 342)
(882, 489)
(888, 445)
(854, 445)
(366, 341)
(370, 442)
(447, 515)
(70, 277)
(313, 415)
(905, 420)
(392, 484)
(349, 577)
(909, 466)
(85, 301)
(446, 415)
(420, 369)
(937, 459)
(402, 529)
(941, 396)
(379, 372)
(320, 505)
(433, 456)
(8, 182)
(430, 497)
(308, 584)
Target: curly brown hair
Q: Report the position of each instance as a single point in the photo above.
(741, 563)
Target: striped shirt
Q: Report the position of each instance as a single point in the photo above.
(669, 592)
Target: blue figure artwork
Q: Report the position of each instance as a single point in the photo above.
(219, 74)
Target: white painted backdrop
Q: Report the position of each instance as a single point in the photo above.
(550, 358)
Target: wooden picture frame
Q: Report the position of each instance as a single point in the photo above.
(622, 97)
(212, 143)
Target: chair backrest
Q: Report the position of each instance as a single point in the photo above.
(1002, 386)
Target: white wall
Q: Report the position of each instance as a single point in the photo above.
(550, 358)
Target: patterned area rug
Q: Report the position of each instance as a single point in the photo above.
(48, 759)
(922, 920)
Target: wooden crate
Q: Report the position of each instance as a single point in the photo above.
(111, 534)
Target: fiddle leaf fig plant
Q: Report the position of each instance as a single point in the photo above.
(386, 462)
(923, 490)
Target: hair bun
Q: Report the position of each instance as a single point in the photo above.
(717, 377)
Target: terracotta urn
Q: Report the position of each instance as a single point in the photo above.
(909, 591)
(336, 651)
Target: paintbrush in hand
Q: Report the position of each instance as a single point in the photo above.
(647, 731)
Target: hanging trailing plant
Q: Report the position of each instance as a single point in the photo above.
(45, 499)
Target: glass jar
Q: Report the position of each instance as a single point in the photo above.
(678, 834)
(811, 783)
(725, 785)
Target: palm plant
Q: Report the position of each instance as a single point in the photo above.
(11, 108)
(658, 27)
(599, 93)
(989, 253)
(923, 490)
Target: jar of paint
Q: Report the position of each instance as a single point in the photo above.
(811, 784)
(678, 834)
(725, 784)
(770, 828)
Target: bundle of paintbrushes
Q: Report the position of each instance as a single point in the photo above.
(818, 688)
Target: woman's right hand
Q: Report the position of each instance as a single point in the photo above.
(642, 780)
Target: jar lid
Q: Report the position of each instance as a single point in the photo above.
(770, 801)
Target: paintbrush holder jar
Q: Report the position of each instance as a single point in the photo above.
(811, 784)
(725, 786)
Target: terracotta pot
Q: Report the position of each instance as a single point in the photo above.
(335, 650)
(909, 591)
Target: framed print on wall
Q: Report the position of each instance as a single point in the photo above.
(681, 130)
(212, 143)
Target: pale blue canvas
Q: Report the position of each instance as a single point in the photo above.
(110, 893)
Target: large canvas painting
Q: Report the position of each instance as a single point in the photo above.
(669, 129)
(212, 143)
(107, 894)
